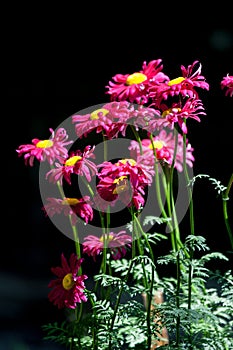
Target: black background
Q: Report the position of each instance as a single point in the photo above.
(58, 61)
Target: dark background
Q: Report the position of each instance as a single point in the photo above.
(58, 61)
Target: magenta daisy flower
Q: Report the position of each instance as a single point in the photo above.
(177, 114)
(147, 157)
(184, 86)
(164, 144)
(134, 87)
(124, 180)
(120, 113)
(76, 163)
(117, 243)
(51, 149)
(97, 120)
(142, 116)
(227, 84)
(68, 288)
(110, 119)
(70, 206)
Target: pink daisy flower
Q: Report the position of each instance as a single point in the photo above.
(76, 163)
(227, 84)
(120, 113)
(68, 288)
(134, 87)
(117, 243)
(70, 206)
(164, 143)
(176, 114)
(51, 149)
(124, 180)
(142, 116)
(110, 119)
(182, 86)
(147, 157)
(98, 120)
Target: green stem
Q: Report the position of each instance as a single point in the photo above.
(93, 329)
(118, 302)
(192, 229)
(191, 211)
(140, 250)
(137, 137)
(92, 195)
(76, 239)
(174, 216)
(225, 199)
(178, 273)
(105, 147)
(148, 315)
(145, 237)
(169, 198)
(158, 191)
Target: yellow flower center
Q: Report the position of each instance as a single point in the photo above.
(70, 201)
(94, 115)
(121, 185)
(44, 144)
(72, 160)
(175, 81)
(136, 78)
(156, 144)
(169, 110)
(68, 281)
(124, 161)
(106, 237)
(119, 179)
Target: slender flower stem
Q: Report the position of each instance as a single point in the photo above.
(192, 230)
(178, 273)
(191, 210)
(92, 195)
(174, 216)
(158, 191)
(93, 329)
(148, 316)
(140, 249)
(137, 137)
(76, 240)
(74, 229)
(118, 300)
(145, 237)
(105, 147)
(171, 209)
(225, 199)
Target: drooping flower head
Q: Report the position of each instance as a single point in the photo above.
(227, 85)
(117, 243)
(50, 150)
(124, 180)
(76, 163)
(134, 87)
(70, 206)
(184, 86)
(68, 288)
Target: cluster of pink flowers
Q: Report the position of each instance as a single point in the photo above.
(149, 100)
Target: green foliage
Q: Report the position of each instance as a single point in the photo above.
(200, 313)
